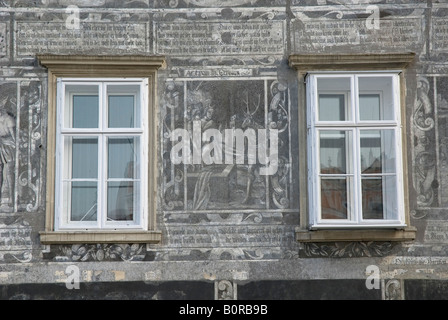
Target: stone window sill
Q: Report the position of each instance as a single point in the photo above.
(406, 234)
(62, 237)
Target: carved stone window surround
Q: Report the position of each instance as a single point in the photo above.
(305, 63)
(74, 66)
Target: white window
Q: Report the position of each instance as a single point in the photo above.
(101, 152)
(354, 161)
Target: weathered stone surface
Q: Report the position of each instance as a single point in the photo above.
(227, 67)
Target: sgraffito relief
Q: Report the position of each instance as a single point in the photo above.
(392, 289)
(8, 146)
(341, 27)
(233, 37)
(218, 3)
(29, 145)
(220, 38)
(424, 160)
(439, 32)
(347, 249)
(85, 3)
(15, 240)
(225, 290)
(231, 209)
(224, 204)
(96, 33)
(442, 132)
(436, 232)
(20, 165)
(100, 252)
(4, 41)
(245, 105)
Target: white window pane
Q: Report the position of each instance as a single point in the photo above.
(82, 106)
(378, 149)
(123, 157)
(334, 197)
(122, 197)
(333, 151)
(80, 200)
(333, 99)
(82, 157)
(376, 98)
(123, 106)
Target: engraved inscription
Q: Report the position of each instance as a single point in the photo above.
(436, 232)
(440, 34)
(54, 37)
(321, 34)
(220, 38)
(3, 40)
(15, 242)
(230, 236)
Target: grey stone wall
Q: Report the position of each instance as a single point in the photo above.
(229, 57)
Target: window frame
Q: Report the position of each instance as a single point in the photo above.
(341, 64)
(103, 133)
(355, 126)
(106, 68)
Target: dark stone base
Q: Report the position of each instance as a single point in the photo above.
(202, 290)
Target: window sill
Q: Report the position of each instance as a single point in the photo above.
(61, 237)
(406, 234)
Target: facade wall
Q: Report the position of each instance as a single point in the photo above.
(220, 240)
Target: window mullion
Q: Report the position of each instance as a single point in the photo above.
(102, 158)
(356, 160)
(357, 193)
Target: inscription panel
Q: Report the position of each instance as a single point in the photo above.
(15, 242)
(323, 34)
(219, 38)
(230, 236)
(439, 35)
(4, 40)
(100, 37)
(436, 232)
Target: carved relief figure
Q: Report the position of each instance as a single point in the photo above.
(224, 185)
(7, 154)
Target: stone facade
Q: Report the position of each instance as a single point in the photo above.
(237, 240)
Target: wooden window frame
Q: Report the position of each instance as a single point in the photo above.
(305, 63)
(75, 66)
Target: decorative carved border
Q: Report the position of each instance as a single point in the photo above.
(347, 249)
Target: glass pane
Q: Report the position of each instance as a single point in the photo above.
(123, 157)
(334, 198)
(372, 198)
(379, 197)
(333, 151)
(84, 157)
(121, 197)
(121, 112)
(85, 111)
(81, 198)
(378, 151)
(81, 106)
(334, 98)
(376, 98)
(123, 106)
(369, 106)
